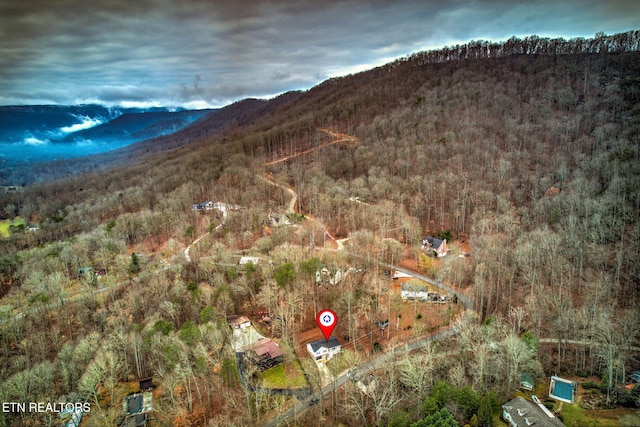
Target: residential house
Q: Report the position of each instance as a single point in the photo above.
(275, 220)
(134, 404)
(74, 416)
(433, 244)
(226, 206)
(414, 291)
(526, 381)
(266, 353)
(85, 272)
(204, 206)
(520, 412)
(333, 275)
(146, 384)
(563, 390)
(328, 275)
(324, 349)
(137, 404)
(239, 322)
(11, 189)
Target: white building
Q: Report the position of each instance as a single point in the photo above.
(414, 291)
(239, 322)
(324, 349)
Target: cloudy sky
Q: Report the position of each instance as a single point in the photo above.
(208, 53)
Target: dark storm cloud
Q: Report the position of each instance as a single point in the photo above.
(203, 52)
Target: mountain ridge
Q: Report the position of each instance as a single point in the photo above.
(333, 99)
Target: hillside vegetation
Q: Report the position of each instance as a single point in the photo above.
(527, 151)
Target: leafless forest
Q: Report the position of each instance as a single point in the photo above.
(525, 151)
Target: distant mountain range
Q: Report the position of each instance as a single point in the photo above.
(44, 142)
(47, 132)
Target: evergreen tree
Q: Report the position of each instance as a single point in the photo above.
(442, 418)
(134, 264)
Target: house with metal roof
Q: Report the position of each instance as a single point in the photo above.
(266, 353)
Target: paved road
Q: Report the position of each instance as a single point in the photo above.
(374, 364)
(383, 359)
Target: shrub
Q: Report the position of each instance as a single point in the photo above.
(590, 384)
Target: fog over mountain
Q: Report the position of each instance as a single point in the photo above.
(50, 132)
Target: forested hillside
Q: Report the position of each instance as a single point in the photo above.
(526, 152)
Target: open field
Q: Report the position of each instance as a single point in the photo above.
(7, 223)
(284, 376)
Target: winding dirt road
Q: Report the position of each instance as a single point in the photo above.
(339, 138)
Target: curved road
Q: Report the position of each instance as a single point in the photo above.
(379, 361)
(339, 137)
(374, 364)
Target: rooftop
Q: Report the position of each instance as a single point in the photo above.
(331, 343)
(237, 320)
(265, 347)
(415, 286)
(524, 413)
(434, 242)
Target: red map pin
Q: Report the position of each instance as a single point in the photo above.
(327, 320)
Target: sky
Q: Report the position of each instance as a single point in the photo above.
(210, 53)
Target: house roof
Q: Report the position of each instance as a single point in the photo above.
(433, 241)
(146, 383)
(525, 413)
(203, 204)
(527, 381)
(237, 320)
(265, 347)
(139, 420)
(415, 286)
(134, 404)
(331, 343)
